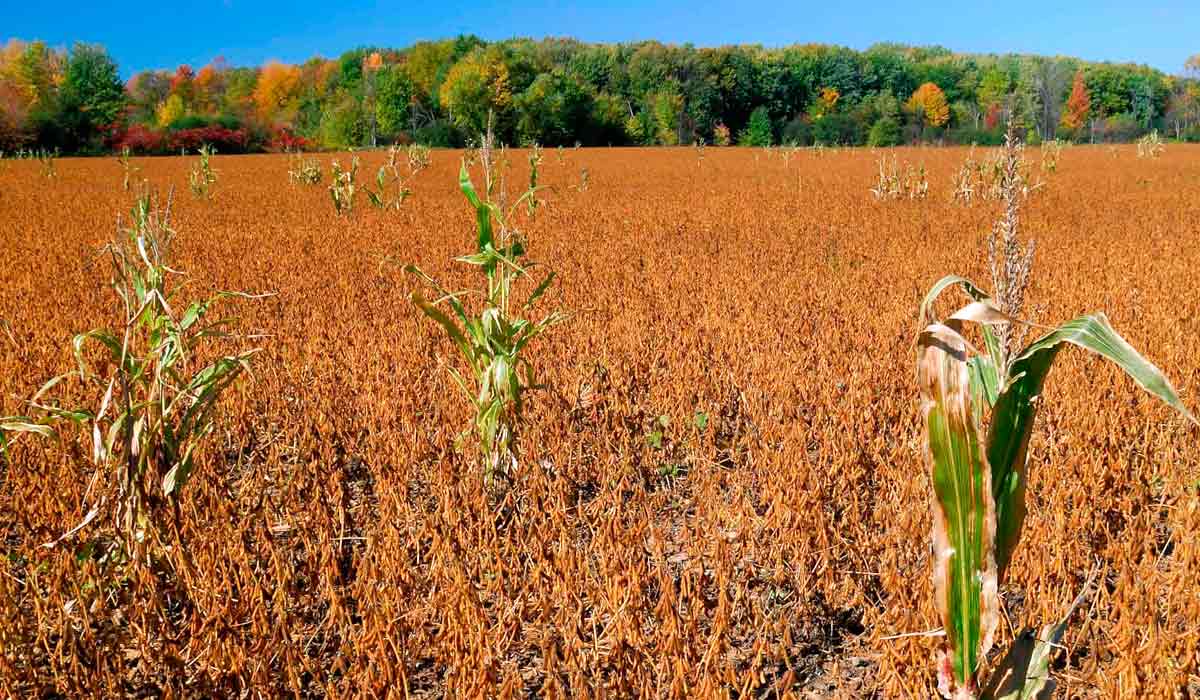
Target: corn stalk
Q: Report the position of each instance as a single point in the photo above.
(979, 409)
(495, 343)
(158, 395)
(202, 177)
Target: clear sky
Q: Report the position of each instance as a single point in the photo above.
(144, 34)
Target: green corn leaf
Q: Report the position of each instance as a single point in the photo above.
(483, 213)
(984, 371)
(1016, 408)
(75, 416)
(177, 476)
(539, 291)
(1024, 673)
(198, 309)
(481, 259)
(965, 579)
(444, 321)
(942, 285)
(462, 384)
(208, 384)
(502, 374)
(449, 297)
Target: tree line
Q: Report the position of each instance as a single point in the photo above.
(566, 92)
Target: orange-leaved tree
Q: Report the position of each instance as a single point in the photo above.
(1078, 104)
(274, 96)
(930, 101)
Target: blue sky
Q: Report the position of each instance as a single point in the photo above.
(164, 33)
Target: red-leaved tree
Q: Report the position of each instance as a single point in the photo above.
(1078, 104)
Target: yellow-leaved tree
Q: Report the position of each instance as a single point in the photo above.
(171, 109)
(275, 94)
(476, 85)
(930, 102)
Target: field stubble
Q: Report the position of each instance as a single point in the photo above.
(721, 494)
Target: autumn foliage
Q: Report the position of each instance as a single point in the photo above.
(1079, 104)
(273, 96)
(930, 102)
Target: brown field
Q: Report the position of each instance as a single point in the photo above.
(334, 542)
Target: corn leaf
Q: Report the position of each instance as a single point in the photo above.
(1024, 672)
(963, 511)
(483, 213)
(20, 424)
(977, 295)
(539, 291)
(444, 321)
(1016, 408)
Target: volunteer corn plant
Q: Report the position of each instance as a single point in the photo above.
(535, 159)
(978, 408)
(48, 160)
(418, 158)
(1151, 145)
(158, 377)
(495, 341)
(303, 170)
(128, 169)
(391, 189)
(202, 177)
(1051, 152)
(895, 184)
(344, 186)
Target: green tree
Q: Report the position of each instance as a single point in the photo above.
(343, 123)
(147, 90)
(666, 106)
(92, 95)
(993, 88)
(476, 85)
(1107, 85)
(554, 109)
(394, 94)
(240, 85)
(884, 132)
(758, 131)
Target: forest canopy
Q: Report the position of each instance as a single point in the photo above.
(566, 92)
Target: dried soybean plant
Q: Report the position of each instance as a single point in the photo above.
(202, 177)
(158, 383)
(978, 408)
(494, 342)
